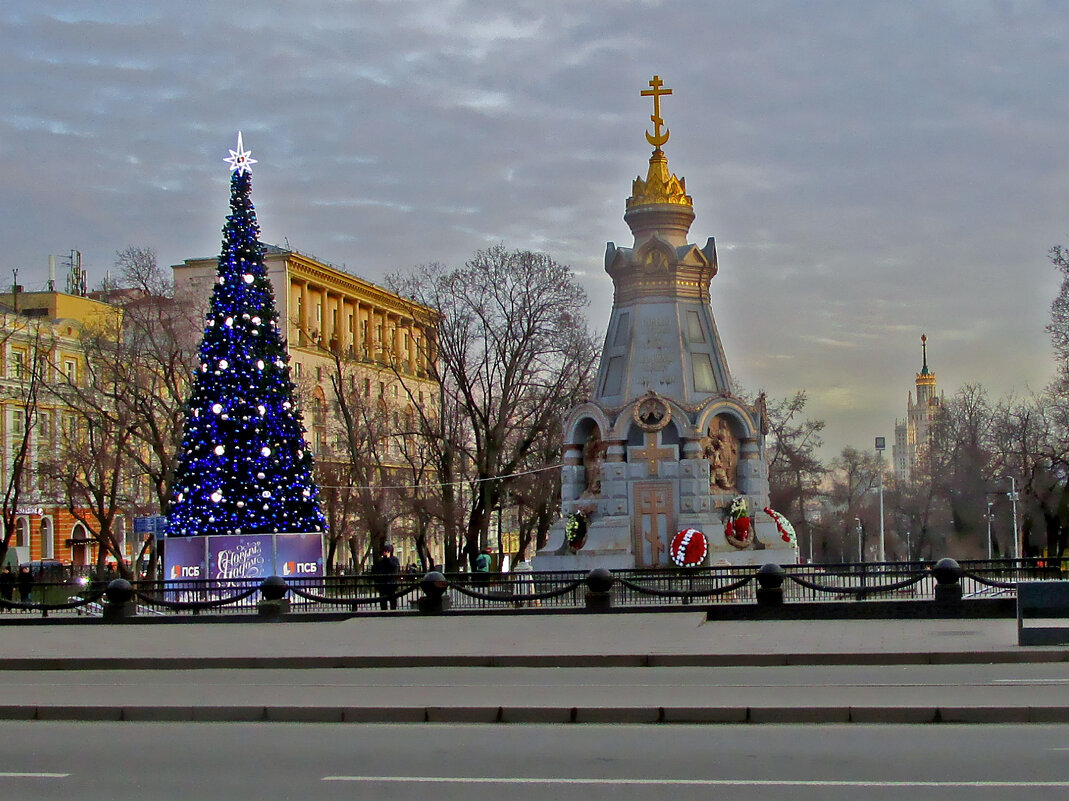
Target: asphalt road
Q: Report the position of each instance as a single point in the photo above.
(1011, 685)
(163, 761)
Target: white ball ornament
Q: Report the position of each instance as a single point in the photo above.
(265, 451)
(229, 322)
(260, 365)
(223, 364)
(217, 407)
(217, 496)
(219, 450)
(261, 476)
(248, 278)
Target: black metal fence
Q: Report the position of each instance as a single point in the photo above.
(550, 590)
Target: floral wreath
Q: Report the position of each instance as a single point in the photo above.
(575, 529)
(689, 548)
(737, 529)
(784, 527)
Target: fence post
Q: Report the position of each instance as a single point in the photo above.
(599, 582)
(948, 575)
(433, 601)
(770, 580)
(273, 603)
(118, 601)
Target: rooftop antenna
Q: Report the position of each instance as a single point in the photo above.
(51, 273)
(15, 288)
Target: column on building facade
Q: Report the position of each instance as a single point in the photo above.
(306, 305)
(357, 329)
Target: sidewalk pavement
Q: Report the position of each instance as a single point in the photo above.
(664, 667)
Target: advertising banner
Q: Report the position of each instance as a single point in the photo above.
(185, 558)
(298, 555)
(240, 556)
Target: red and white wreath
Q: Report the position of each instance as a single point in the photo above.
(784, 527)
(689, 548)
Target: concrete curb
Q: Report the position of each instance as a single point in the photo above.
(868, 715)
(1050, 654)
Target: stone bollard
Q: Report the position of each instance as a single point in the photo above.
(118, 601)
(433, 601)
(947, 574)
(273, 603)
(599, 582)
(770, 585)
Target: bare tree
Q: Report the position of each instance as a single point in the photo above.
(855, 475)
(795, 472)
(27, 369)
(93, 464)
(512, 340)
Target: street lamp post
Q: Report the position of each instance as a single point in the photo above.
(881, 443)
(860, 553)
(989, 556)
(1012, 495)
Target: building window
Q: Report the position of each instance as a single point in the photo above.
(319, 373)
(70, 371)
(48, 540)
(297, 369)
(367, 387)
(22, 532)
(18, 364)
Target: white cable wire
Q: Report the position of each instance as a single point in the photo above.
(447, 484)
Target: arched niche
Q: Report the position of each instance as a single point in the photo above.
(591, 444)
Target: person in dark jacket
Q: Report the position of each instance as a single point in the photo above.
(386, 569)
(25, 584)
(7, 584)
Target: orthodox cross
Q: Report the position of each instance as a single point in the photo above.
(652, 454)
(657, 138)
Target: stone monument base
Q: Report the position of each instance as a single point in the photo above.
(608, 545)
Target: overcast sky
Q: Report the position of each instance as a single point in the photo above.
(871, 171)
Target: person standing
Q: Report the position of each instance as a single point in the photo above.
(386, 569)
(482, 566)
(25, 584)
(7, 584)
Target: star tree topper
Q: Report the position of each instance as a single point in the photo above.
(240, 160)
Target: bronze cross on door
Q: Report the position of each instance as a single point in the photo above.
(651, 454)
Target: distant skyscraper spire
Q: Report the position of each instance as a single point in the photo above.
(924, 352)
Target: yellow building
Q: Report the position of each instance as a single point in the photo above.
(339, 326)
(42, 328)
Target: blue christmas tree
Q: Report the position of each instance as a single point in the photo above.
(244, 467)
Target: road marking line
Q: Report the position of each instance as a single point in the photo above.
(33, 775)
(686, 782)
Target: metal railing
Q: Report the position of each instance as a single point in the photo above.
(551, 590)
